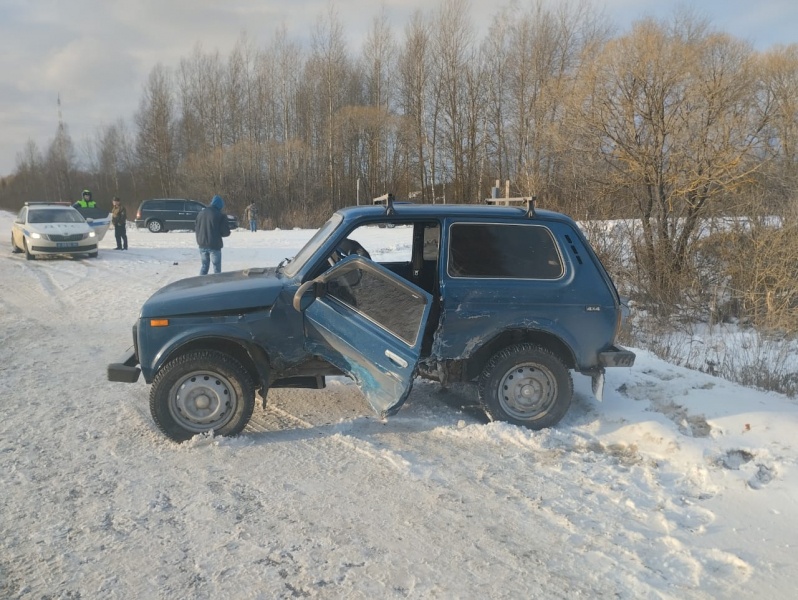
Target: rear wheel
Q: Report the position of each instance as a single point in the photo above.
(202, 391)
(155, 226)
(526, 385)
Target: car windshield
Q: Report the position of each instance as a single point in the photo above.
(314, 243)
(55, 215)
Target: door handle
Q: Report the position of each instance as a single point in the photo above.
(396, 359)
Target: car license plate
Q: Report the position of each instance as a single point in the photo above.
(66, 244)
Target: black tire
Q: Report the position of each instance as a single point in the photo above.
(526, 385)
(14, 248)
(94, 254)
(28, 255)
(202, 391)
(155, 226)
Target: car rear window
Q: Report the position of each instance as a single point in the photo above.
(497, 250)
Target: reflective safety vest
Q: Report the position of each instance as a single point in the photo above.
(83, 203)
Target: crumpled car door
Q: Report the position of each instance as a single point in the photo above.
(369, 323)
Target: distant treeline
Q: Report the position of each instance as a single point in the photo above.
(671, 123)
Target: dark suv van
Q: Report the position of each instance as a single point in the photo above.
(163, 214)
(507, 298)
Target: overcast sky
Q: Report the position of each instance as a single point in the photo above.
(96, 54)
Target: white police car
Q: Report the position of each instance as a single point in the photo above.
(52, 228)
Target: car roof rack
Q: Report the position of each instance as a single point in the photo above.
(523, 201)
(388, 200)
(495, 200)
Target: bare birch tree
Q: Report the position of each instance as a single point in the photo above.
(379, 68)
(155, 119)
(456, 72)
(779, 72)
(330, 62)
(413, 93)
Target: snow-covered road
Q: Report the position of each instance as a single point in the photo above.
(678, 485)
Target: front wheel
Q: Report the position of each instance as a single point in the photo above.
(14, 248)
(526, 385)
(202, 391)
(28, 255)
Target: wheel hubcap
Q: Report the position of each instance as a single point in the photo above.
(202, 401)
(527, 392)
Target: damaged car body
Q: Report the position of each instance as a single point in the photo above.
(510, 299)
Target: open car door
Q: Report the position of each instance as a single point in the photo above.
(98, 219)
(369, 323)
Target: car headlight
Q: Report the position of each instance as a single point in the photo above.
(91, 234)
(36, 236)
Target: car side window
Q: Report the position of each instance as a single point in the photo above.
(399, 250)
(432, 240)
(193, 207)
(510, 251)
(383, 300)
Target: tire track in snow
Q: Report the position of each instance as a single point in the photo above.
(529, 483)
(24, 292)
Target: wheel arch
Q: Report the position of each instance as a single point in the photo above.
(253, 358)
(545, 339)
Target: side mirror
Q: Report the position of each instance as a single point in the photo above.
(344, 275)
(302, 297)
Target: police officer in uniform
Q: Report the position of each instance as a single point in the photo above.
(85, 201)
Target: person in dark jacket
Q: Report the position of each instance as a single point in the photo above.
(119, 220)
(210, 227)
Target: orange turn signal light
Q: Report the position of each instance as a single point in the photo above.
(159, 322)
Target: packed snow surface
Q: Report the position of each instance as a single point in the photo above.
(677, 485)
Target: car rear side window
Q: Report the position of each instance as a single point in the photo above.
(508, 251)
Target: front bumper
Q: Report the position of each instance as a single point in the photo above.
(53, 248)
(125, 371)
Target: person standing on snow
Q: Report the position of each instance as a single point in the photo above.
(210, 227)
(85, 201)
(251, 215)
(119, 220)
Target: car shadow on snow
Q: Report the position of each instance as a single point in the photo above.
(295, 415)
(292, 415)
